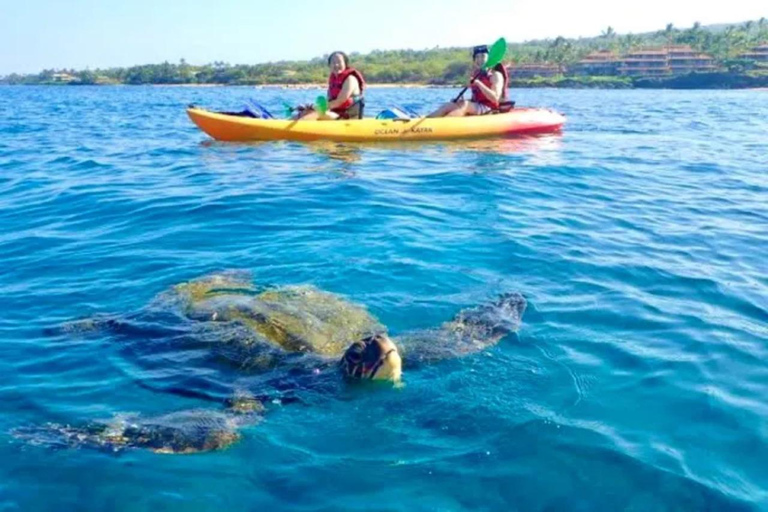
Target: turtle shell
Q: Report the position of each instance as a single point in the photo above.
(295, 318)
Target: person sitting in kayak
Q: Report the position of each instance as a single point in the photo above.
(489, 89)
(345, 91)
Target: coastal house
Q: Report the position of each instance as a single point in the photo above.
(599, 63)
(63, 78)
(535, 70)
(757, 54)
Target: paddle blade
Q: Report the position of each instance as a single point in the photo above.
(496, 53)
(287, 109)
(321, 103)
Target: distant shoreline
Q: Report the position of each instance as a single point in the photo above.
(726, 56)
(694, 81)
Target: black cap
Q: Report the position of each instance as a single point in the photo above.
(483, 48)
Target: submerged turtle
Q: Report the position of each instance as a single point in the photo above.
(299, 338)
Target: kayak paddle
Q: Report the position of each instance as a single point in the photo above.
(495, 56)
(321, 105)
(257, 110)
(288, 109)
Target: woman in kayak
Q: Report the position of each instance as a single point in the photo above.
(489, 89)
(345, 91)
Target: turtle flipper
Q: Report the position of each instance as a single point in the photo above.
(140, 325)
(491, 321)
(183, 432)
(94, 324)
(471, 330)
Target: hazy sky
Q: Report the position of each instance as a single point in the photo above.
(37, 34)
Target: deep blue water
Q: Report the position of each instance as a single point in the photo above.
(638, 380)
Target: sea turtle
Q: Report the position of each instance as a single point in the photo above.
(294, 338)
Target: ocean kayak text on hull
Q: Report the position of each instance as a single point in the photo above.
(520, 121)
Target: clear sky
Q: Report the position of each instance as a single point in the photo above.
(37, 34)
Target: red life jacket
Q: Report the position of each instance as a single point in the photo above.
(336, 83)
(485, 78)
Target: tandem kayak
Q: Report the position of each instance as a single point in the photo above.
(519, 121)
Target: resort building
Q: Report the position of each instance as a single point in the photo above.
(644, 62)
(599, 63)
(649, 62)
(671, 60)
(535, 70)
(684, 59)
(758, 53)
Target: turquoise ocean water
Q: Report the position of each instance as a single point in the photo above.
(638, 380)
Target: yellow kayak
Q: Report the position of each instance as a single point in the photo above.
(519, 121)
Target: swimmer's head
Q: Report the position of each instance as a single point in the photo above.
(480, 56)
(372, 358)
(338, 62)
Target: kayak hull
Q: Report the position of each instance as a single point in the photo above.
(520, 121)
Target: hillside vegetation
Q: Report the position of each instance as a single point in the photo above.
(433, 66)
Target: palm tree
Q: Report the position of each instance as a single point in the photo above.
(629, 42)
(733, 41)
(741, 39)
(608, 33)
(669, 32)
(185, 70)
(762, 27)
(560, 51)
(693, 36)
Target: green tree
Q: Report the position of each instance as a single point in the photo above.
(669, 33)
(87, 77)
(561, 52)
(694, 36)
(608, 33)
(628, 43)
